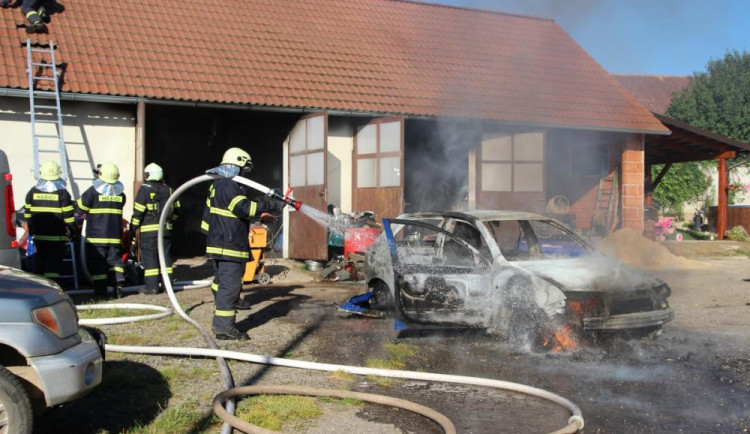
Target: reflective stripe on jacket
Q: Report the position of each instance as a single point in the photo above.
(228, 227)
(148, 206)
(48, 214)
(103, 216)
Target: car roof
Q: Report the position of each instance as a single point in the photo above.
(481, 215)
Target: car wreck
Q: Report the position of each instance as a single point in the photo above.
(513, 273)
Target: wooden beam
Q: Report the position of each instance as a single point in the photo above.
(700, 140)
(721, 209)
(726, 155)
(140, 144)
(660, 176)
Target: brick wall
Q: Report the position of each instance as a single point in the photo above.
(632, 182)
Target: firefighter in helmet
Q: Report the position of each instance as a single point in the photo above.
(49, 213)
(148, 207)
(103, 203)
(227, 243)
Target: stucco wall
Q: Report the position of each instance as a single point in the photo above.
(94, 133)
(340, 148)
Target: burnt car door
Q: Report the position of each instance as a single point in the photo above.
(438, 277)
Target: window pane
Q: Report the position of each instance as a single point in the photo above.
(315, 168)
(497, 147)
(297, 137)
(367, 140)
(528, 147)
(366, 172)
(555, 242)
(496, 176)
(390, 137)
(297, 171)
(528, 177)
(316, 133)
(390, 171)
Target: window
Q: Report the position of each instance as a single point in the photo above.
(379, 154)
(589, 160)
(512, 162)
(307, 152)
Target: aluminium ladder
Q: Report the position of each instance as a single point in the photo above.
(46, 64)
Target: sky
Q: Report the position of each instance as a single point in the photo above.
(670, 37)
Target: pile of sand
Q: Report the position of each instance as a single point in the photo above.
(630, 247)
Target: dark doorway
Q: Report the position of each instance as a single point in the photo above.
(187, 141)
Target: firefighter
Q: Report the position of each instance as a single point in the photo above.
(49, 214)
(147, 209)
(103, 203)
(36, 14)
(227, 243)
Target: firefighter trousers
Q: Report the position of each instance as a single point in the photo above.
(104, 261)
(229, 278)
(48, 261)
(30, 9)
(150, 260)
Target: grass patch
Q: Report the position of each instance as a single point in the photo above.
(401, 351)
(375, 363)
(180, 418)
(273, 411)
(111, 313)
(129, 338)
(690, 234)
(342, 377)
(745, 253)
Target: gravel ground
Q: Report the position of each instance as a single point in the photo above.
(694, 378)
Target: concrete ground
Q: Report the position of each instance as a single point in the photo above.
(694, 378)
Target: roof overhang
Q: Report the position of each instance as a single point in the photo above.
(689, 143)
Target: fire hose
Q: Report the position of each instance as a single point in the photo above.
(575, 422)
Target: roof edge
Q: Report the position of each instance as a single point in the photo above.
(475, 9)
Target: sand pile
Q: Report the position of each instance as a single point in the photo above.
(630, 247)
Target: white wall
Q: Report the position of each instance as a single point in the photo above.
(94, 133)
(340, 148)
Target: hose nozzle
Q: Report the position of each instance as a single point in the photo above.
(286, 199)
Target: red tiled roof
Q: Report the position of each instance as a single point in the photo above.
(381, 56)
(653, 91)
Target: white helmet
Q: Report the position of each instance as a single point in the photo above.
(154, 172)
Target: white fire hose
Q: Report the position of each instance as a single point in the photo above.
(575, 422)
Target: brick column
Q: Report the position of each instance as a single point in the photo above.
(633, 176)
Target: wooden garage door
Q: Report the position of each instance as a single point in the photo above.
(378, 172)
(307, 150)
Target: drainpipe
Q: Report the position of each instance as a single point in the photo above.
(721, 209)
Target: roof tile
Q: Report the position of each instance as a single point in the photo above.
(387, 56)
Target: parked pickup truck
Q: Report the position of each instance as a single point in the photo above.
(45, 359)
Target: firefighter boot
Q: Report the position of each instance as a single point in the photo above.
(233, 335)
(118, 290)
(242, 304)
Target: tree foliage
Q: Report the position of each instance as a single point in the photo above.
(719, 99)
(684, 182)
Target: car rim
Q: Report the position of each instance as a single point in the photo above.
(3, 419)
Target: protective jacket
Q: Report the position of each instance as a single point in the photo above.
(228, 226)
(104, 216)
(48, 214)
(149, 203)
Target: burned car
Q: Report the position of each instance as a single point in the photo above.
(504, 270)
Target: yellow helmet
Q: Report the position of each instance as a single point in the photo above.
(49, 171)
(236, 156)
(109, 173)
(154, 172)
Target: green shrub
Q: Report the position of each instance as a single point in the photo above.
(737, 233)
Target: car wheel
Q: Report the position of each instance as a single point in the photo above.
(526, 327)
(381, 296)
(15, 407)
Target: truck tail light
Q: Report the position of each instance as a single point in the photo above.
(10, 208)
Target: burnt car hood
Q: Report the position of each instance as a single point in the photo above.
(593, 273)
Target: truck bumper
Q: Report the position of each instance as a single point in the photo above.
(630, 320)
(68, 375)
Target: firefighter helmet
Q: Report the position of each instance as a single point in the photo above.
(236, 156)
(49, 171)
(109, 173)
(154, 172)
